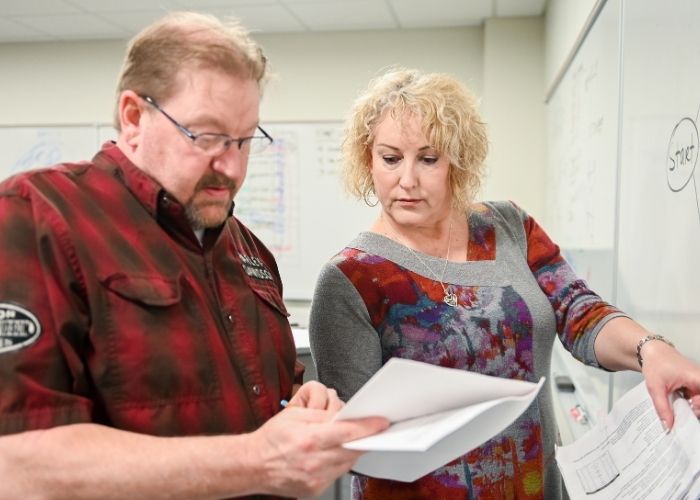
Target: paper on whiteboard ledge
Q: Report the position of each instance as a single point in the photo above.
(437, 415)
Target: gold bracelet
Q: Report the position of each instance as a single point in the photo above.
(647, 339)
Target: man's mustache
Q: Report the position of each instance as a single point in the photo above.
(214, 181)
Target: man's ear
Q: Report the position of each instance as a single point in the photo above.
(131, 109)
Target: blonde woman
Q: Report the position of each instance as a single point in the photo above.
(442, 279)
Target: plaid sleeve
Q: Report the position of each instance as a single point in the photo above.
(299, 370)
(42, 321)
(580, 313)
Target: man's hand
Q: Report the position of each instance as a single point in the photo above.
(316, 396)
(299, 451)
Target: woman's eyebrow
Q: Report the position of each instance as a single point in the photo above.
(397, 149)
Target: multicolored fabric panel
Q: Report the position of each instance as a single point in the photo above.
(489, 332)
(576, 308)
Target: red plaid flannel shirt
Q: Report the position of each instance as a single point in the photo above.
(112, 312)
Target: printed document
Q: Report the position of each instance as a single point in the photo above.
(630, 456)
(437, 415)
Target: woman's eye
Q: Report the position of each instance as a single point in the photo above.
(391, 159)
(429, 160)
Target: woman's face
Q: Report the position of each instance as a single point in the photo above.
(411, 178)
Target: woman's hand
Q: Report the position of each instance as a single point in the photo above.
(665, 371)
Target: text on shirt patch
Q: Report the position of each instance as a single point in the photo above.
(254, 267)
(18, 327)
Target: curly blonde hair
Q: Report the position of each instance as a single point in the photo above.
(450, 122)
(182, 40)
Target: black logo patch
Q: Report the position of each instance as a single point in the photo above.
(18, 327)
(255, 268)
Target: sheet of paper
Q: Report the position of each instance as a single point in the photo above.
(438, 414)
(404, 388)
(630, 456)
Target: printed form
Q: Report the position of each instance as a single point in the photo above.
(630, 456)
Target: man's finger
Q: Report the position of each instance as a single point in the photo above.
(342, 431)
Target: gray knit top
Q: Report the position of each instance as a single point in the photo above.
(376, 300)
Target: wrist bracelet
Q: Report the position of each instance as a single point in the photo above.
(647, 339)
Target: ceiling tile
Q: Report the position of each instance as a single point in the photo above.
(25, 20)
(124, 5)
(343, 14)
(198, 5)
(64, 26)
(515, 8)
(11, 31)
(36, 7)
(133, 22)
(270, 18)
(441, 13)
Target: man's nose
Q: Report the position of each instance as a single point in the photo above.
(231, 162)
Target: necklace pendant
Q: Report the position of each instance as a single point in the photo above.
(450, 299)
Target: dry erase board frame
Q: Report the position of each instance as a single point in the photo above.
(292, 198)
(583, 128)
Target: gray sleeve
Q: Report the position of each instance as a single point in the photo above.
(344, 345)
(575, 299)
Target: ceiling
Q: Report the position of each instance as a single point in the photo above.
(52, 20)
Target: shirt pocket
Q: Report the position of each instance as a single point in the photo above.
(152, 342)
(147, 290)
(269, 293)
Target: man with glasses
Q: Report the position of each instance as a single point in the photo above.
(144, 343)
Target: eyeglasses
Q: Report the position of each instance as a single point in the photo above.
(217, 144)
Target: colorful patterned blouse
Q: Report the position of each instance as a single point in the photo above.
(375, 300)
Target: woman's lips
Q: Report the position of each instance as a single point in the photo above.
(408, 201)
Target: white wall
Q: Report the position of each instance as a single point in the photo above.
(317, 77)
(58, 83)
(513, 106)
(563, 24)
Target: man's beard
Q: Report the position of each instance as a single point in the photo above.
(196, 213)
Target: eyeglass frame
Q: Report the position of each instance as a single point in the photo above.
(228, 140)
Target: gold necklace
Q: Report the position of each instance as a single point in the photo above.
(450, 298)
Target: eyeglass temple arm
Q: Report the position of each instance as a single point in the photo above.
(265, 133)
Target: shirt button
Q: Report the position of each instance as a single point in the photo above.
(229, 317)
(257, 390)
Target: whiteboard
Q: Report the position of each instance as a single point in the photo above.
(25, 148)
(582, 145)
(649, 222)
(658, 280)
(582, 148)
(292, 197)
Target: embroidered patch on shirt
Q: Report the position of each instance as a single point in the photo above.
(255, 268)
(18, 327)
